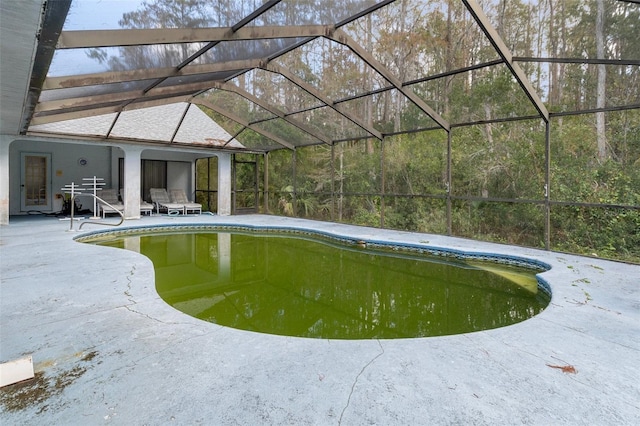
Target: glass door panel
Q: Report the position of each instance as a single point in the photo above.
(36, 182)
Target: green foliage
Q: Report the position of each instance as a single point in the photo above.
(606, 232)
(503, 160)
(363, 210)
(510, 223)
(498, 169)
(415, 187)
(416, 164)
(576, 173)
(207, 183)
(416, 214)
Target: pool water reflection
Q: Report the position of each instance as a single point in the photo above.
(297, 286)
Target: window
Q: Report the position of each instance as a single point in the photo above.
(154, 175)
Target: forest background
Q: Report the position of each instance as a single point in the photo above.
(501, 174)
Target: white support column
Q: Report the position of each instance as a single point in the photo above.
(132, 173)
(224, 184)
(192, 181)
(5, 141)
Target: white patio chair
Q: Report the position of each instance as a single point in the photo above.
(179, 196)
(109, 196)
(161, 200)
(145, 208)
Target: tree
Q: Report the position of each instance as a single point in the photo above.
(158, 14)
(602, 79)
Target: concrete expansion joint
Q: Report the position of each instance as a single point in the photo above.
(355, 382)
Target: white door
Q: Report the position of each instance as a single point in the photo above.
(35, 184)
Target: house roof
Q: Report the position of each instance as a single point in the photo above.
(177, 123)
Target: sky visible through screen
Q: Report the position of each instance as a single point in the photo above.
(98, 14)
(89, 15)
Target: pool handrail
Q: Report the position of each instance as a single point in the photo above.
(73, 199)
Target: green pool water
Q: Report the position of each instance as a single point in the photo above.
(297, 286)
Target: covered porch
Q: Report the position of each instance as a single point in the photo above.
(35, 171)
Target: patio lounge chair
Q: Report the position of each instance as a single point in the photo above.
(109, 196)
(161, 199)
(145, 208)
(178, 196)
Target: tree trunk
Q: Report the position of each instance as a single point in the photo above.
(402, 56)
(449, 62)
(553, 67)
(600, 89)
(341, 183)
(488, 127)
(369, 76)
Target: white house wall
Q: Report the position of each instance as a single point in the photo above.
(65, 166)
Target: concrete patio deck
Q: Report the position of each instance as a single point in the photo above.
(107, 350)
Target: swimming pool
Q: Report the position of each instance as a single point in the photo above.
(295, 282)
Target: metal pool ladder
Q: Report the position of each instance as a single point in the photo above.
(73, 205)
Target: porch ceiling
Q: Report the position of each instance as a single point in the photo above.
(19, 26)
(260, 69)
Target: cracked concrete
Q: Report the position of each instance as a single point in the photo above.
(108, 350)
(355, 382)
